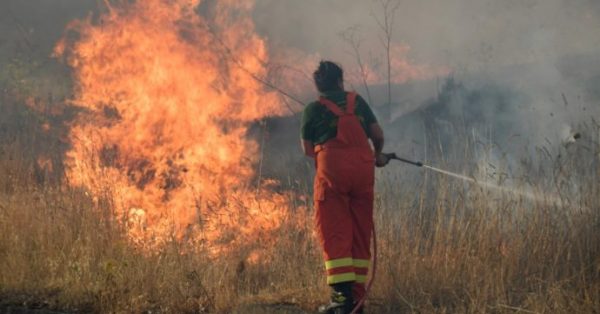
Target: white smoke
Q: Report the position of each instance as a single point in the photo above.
(543, 53)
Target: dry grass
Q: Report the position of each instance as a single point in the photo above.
(443, 248)
(488, 253)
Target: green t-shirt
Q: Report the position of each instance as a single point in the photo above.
(319, 124)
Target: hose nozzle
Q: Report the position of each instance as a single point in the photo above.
(414, 163)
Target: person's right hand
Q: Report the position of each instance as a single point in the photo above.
(381, 160)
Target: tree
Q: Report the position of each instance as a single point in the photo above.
(386, 23)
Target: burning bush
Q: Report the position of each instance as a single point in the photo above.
(164, 131)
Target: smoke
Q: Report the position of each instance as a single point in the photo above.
(462, 34)
(529, 70)
(525, 72)
(33, 27)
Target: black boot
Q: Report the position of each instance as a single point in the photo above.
(341, 299)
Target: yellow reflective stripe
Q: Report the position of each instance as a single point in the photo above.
(340, 262)
(361, 278)
(362, 263)
(333, 279)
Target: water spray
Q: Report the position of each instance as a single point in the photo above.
(528, 195)
(419, 164)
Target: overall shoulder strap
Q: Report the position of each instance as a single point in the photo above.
(331, 106)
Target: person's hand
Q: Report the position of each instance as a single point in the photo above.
(381, 160)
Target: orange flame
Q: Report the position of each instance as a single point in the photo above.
(402, 68)
(166, 117)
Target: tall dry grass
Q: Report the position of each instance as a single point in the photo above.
(444, 247)
(487, 253)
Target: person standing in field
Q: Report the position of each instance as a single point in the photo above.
(335, 132)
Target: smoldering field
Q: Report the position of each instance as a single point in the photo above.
(504, 93)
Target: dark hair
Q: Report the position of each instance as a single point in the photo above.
(327, 76)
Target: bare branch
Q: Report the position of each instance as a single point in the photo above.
(350, 37)
(24, 33)
(231, 57)
(389, 9)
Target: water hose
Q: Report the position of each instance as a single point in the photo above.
(360, 303)
(410, 162)
(374, 258)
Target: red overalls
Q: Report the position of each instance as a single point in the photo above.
(343, 194)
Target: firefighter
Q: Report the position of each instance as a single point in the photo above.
(335, 132)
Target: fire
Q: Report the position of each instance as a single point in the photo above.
(403, 69)
(166, 109)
